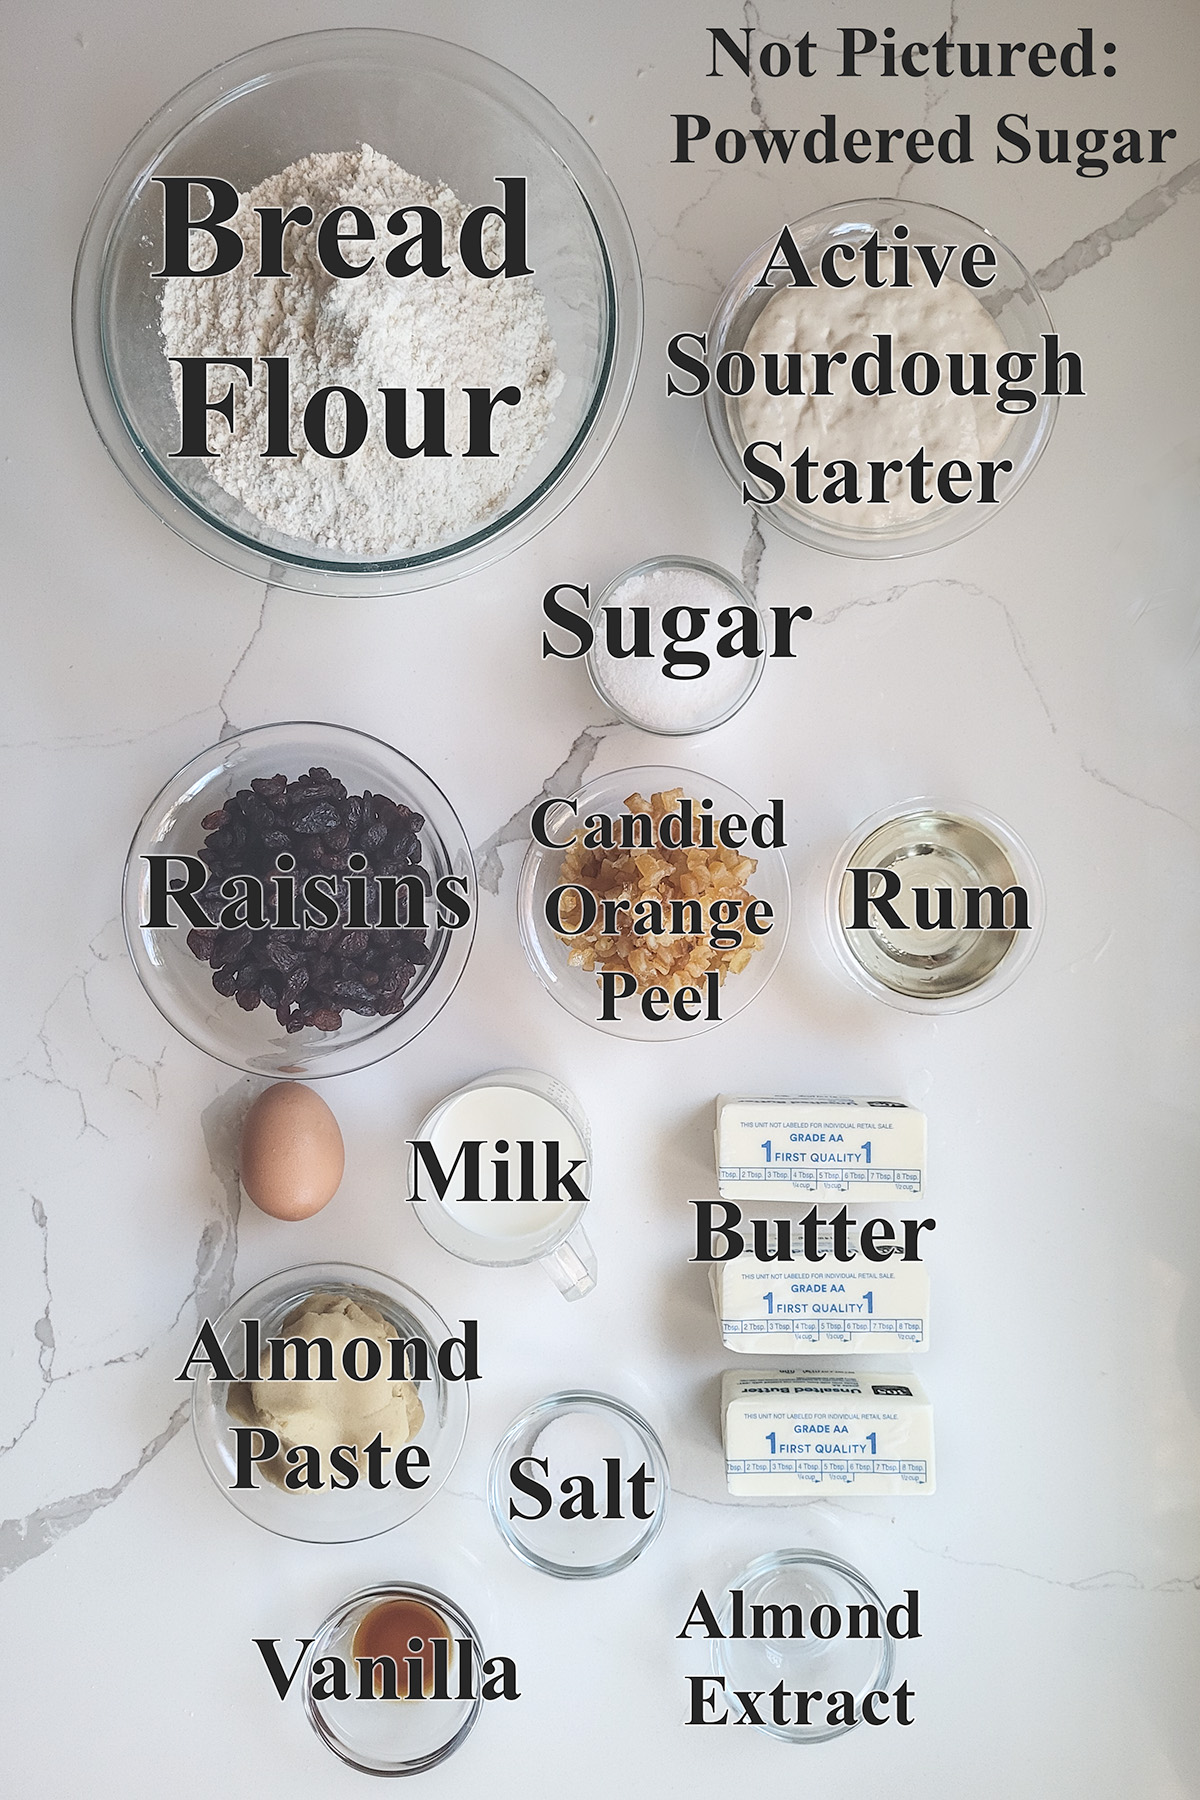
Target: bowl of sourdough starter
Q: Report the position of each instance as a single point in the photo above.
(433, 343)
(886, 473)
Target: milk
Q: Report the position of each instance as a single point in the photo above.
(507, 1116)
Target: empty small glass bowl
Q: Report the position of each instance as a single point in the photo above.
(180, 985)
(444, 114)
(578, 989)
(330, 1515)
(579, 1434)
(943, 848)
(1014, 304)
(393, 1737)
(808, 1580)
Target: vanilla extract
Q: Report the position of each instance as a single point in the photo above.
(406, 1634)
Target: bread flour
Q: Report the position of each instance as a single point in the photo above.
(374, 331)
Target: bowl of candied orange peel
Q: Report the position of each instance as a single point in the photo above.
(654, 903)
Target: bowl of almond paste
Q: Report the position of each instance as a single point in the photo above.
(322, 1434)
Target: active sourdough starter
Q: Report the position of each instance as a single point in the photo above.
(858, 427)
(376, 330)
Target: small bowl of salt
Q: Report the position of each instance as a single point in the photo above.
(678, 645)
(578, 1485)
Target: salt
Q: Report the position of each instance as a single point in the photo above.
(639, 687)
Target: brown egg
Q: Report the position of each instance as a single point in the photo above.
(292, 1153)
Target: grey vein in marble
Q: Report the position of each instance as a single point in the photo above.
(43, 1329)
(564, 780)
(933, 93)
(1087, 251)
(23, 1539)
(1105, 1580)
(48, 1075)
(901, 589)
(1095, 774)
(228, 728)
(752, 556)
(101, 740)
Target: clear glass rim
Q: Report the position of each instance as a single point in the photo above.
(452, 952)
(336, 1620)
(948, 525)
(312, 1278)
(347, 577)
(1010, 965)
(649, 566)
(577, 1400)
(776, 1560)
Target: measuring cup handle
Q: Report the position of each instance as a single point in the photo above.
(572, 1267)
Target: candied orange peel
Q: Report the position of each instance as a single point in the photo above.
(654, 872)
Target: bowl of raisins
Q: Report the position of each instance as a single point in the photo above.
(299, 900)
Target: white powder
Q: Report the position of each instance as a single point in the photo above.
(373, 331)
(638, 686)
(858, 427)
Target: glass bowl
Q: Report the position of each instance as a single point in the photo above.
(1013, 303)
(578, 990)
(444, 114)
(934, 844)
(720, 708)
(576, 1433)
(809, 1579)
(180, 985)
(330, 1515)
(385, 1737)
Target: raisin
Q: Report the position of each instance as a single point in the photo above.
(315, 821)
(309, 978)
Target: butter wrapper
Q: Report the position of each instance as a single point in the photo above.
(804, 1144)
(830, 1308)
(793, 1433)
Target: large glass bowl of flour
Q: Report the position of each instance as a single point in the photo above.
(452, 120)
(763, 312)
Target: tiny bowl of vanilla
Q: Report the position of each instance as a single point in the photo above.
(879, 377)
(677, 646)
(395, 1646)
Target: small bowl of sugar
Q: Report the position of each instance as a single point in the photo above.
(678, 645)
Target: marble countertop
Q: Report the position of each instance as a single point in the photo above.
(1044, 668)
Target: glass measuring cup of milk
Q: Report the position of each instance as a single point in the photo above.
(500, 1172)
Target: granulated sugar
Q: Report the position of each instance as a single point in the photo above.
(370, 332)
(638, 685)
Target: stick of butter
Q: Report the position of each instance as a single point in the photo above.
(794, 1433)
(809, 1145)
(858, 1309)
